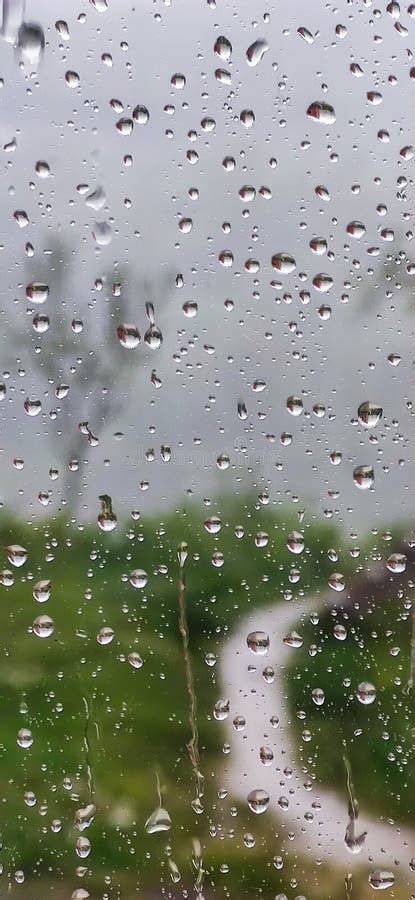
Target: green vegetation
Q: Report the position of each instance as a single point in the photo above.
(377, 738)
(101, 726)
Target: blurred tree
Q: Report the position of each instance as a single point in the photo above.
(82, 355)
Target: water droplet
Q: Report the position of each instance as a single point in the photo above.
(396, 563)
(41, 323)
(24, 738)
(182, 553)
(37, 292)
(153, 337)
(256, 52)
(30, 44)
(366, 693)
(258, 642)
(322, 112)
(178, 81)
(32, 407)
(363, 477)
(72, 79)
(125, 126)
(62, 29)
(141, 115)
(158, 821)
(174, 871)
(374, 97)
(379, 879)
(128, 336)
(223, 47)
(266, 756)
(318, 696)
(97, 199)
(284, 263)
(337, 581)
(369, 414)
(293, 639)
(356, 229)
(318, 245)
(221, 710)
(247, 117)
(135, 660)
(322, 282)
(295, 542)
(41, 591)
(223, 76)
(258, 801)
(213, 525)
(306, 35)
(340, 632)
(294, 405)
(84, 817)
(21, 217)
(83, 847)
(16, 555)
(268, 674)
(138, 578)
(105, 635)
(102, 233)
(107, 520)
(210, 660)
(43, 626)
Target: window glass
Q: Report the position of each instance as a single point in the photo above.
(207, 645)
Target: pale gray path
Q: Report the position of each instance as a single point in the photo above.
(250, 696)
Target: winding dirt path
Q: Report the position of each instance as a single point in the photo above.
(322, 836)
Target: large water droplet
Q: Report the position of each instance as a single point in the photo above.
(30, 44)
(128, 336)
(295, 542)
(158, 821)
(258, 801)
(43, 626)
(369, 414)
(363, 477)
(223, 47)
(321, 112)
(284, 263)
(366, 693)
(16, 555)
(256, 52)
(396, 563)
(138, 578)
(258, 642)
(37, 292)
(381, 880)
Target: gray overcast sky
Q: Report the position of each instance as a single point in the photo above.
(339, 362)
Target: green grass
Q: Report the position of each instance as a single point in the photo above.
(378, 739)
(138, 720)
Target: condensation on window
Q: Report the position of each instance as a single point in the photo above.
(207, 566)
